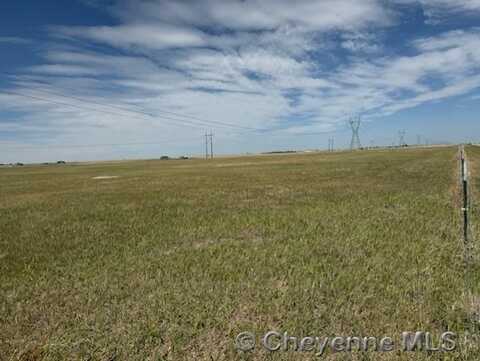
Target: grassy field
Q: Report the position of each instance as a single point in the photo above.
(172, 259)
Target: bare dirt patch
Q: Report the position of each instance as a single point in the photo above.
(106, 177)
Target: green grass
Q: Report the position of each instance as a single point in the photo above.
(174, 258)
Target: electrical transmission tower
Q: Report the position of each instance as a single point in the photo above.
(401, 138)
(355, 123)
(208, 142)
(331, 144)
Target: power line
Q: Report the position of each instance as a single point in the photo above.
(143, 114)
(196, 120)
(83, 107)
(146, 113)
(139, 111)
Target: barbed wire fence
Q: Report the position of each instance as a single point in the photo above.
(470, 250)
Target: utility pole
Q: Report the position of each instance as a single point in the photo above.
(419, 139)
(331, 144)
(401, 138)
(211, 145)
(206, 145)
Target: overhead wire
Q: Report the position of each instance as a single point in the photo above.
(35, 97)
(207, 122)
(189, 119)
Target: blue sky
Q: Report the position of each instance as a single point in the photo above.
(106, 79)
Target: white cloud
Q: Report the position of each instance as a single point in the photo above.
(62, 69)
(263, 14)
(173, 24)
(360, 42)
(158, 36)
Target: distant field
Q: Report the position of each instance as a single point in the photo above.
(172, 259)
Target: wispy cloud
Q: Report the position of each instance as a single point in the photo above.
(251, 15)
(130, 36)
(13, 40)
(439, 11)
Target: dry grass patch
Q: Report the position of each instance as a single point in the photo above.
(171, 260)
